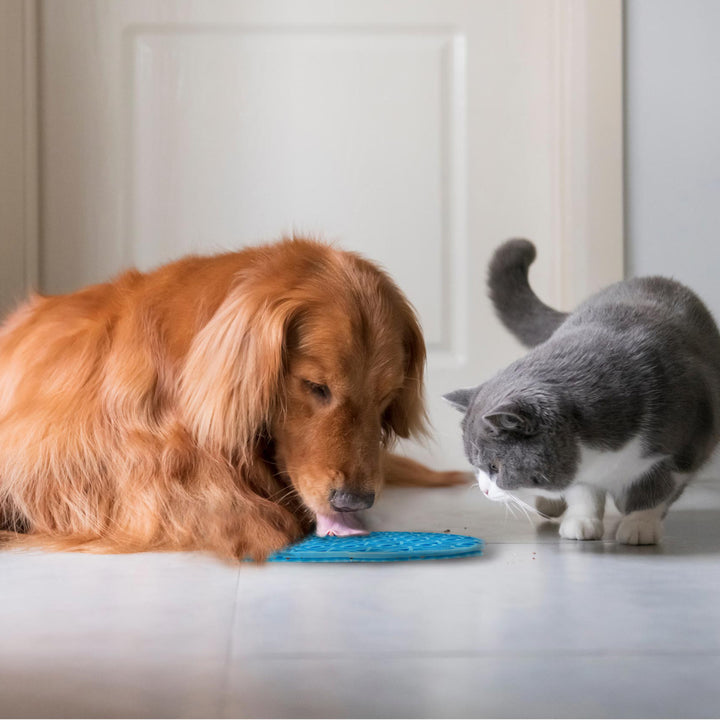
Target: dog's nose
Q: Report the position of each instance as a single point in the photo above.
(344, 501)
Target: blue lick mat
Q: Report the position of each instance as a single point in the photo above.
(380, 547)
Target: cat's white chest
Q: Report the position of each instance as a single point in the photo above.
(613, 469)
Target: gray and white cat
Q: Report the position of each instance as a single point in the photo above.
(621, 396)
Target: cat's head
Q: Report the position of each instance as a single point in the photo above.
(517, 438)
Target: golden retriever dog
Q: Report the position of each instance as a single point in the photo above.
(227, 404)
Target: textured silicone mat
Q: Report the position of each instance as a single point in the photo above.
(380, 547)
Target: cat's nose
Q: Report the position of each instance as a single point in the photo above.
(344, 501)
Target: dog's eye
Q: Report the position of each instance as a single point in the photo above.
(319, 390)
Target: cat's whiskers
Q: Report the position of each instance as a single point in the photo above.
(526, 506)
(526, 513)
(512, 502)
(518, 502)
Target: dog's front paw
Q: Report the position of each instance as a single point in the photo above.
(639, 531)
(579, 527)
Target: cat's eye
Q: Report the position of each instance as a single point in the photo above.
(319, 390)
(493, 468)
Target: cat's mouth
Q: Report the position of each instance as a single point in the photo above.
(490, 489)
(493, 492)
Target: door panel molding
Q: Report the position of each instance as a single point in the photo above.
(159, 219)
(588, 178)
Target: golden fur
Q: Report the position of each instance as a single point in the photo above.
(176, 409)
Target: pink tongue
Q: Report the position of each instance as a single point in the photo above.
(339, 524)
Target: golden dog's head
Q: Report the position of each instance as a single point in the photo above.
(318, 353)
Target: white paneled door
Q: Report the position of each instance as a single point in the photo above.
(419, 132)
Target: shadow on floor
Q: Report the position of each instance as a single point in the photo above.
(687, 532)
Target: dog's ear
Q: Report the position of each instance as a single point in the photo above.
(232, 380)
(406, 415)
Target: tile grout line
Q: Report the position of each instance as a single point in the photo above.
(229, 652)
(469, 654)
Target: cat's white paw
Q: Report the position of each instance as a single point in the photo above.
(579, 527)
(639, 531)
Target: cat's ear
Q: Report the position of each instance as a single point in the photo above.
(461, 399)
(514, 417)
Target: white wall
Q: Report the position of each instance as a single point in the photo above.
(672, 151)
(673, 142)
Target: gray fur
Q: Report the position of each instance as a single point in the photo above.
(657, 485)
(519, 308)
(640, 358)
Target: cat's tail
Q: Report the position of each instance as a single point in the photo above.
(520, 309)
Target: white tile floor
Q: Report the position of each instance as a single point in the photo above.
(537, 627)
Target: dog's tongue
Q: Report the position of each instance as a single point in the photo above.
(340, 524)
